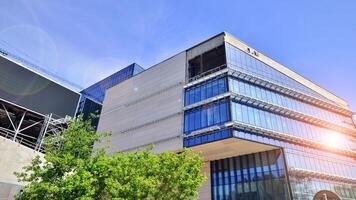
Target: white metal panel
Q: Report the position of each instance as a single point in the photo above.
(147, 108)
(13, 158)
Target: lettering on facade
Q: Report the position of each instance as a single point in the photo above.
(252, 52)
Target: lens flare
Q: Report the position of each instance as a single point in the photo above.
(334, 140)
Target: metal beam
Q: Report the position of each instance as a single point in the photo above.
(17, 130)
(43, 134)
(27, 127)
(8, 116)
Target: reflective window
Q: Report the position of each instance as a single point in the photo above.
(305, 157)
(210, 137)
(278, 99)
(306, 187)
(286, 125)
(205, 90)
(97, 91)
(242, 177)
(215, 113)
(86, 108)
(241, 61)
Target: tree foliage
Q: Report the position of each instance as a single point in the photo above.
(73, 169)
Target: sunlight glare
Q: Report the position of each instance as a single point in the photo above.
(334, 140)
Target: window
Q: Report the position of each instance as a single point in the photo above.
(215, 113)
(205, 90)
(275, 122)
(209, 60)
(241, 178)
(244, 62)
(216, 110)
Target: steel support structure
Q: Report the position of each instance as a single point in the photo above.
(27, 127)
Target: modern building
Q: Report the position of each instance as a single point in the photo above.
(28, 97)
(35, 103)
(32, 105)
(92, 98)
(264, 131)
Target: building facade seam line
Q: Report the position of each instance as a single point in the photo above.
(133, 102)
(150, 123)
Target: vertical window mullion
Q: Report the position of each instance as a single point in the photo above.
(262, 170)
(213, 181)
(248, 172)
(228, 192)
(223, 178)
(218, 185)
(270, 171)
(235, 173)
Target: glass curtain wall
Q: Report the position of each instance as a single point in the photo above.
(301, 157)
(215, 113)
(241, 87)
(305, 187)
(205, 90)
(255, 176)
(241, 61)
(271, 121)
(206, 138)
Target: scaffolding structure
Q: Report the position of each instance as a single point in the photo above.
(28, 127)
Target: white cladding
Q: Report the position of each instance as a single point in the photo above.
(13, 158)
(147, 109)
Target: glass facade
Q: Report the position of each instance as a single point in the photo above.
(256, 176)
(305, 187)
(87, 107)
(275, 122)
(205, 90)
(97, 91)
(206, 138)
(92, 97)
(241, 61)
(215, 113)
(241, 87)
(315, 160)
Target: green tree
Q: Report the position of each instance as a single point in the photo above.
(73, 169)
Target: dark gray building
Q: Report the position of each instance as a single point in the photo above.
(27, 98)
(32, 105)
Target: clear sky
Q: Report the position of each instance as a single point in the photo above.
(86, 40)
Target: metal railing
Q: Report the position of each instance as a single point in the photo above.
(206, 73)
(323, 175)
(20, 139)
(288, 91)
(276, 135)
(256, 79)
(293, 114)
(50, 126)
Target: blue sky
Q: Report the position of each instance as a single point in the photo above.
(84, 41)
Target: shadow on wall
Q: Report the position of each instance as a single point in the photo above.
(8, 190)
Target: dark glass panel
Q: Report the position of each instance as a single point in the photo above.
(239, 179)
(215, 113)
